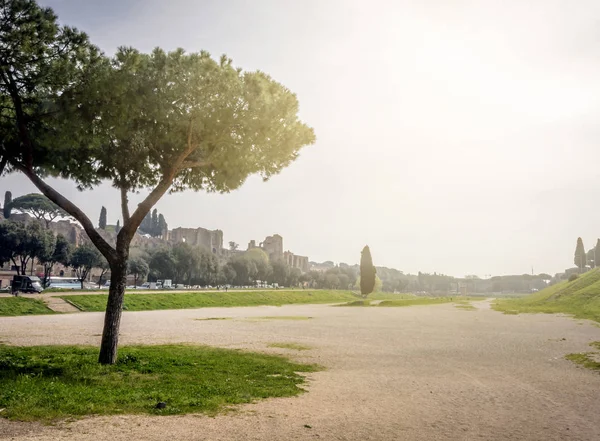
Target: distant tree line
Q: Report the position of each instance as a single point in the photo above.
(195, 265)
(23, 244)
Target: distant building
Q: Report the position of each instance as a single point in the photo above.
(295, 261)
(209, 239)
(273, 247)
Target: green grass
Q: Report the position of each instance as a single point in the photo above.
(13, 306)
(581, 298)
(588, 360)
(149, 302)
(54, 382)
(294, 346)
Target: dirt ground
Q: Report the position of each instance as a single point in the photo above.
(413, 373)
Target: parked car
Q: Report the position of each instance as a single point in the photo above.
(26, 284)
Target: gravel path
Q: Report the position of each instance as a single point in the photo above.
(413, 373)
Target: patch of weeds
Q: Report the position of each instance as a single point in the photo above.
(294, 346)
(465, 307)
(589, 360)
(584, 360)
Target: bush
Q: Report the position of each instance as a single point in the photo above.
(573, 277)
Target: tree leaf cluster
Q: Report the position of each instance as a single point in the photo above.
(38, 206)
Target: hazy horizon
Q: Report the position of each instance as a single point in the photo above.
(452, 137)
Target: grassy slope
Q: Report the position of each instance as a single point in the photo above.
(13, 306)
(148, 302)
(580, 298)
(49, 382)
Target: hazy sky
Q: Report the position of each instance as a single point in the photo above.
(453, 136)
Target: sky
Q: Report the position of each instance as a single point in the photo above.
(453, 136)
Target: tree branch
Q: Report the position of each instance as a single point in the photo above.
(3, 163)
(16, 266)
(129, 229)
(193, 164)
(124, 205)
(103, 246)
(20, 116)
(144, 207)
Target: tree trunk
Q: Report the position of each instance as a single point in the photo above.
(114, 308)
(23, 269)
(47, 272)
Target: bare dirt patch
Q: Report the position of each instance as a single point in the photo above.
(423, 373)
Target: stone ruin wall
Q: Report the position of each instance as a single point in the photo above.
(210, 239)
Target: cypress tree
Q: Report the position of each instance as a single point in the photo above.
(102, 221)
(146, 225)
(6, 207)
(367, 272)
(580, 258)
(118, 227)
(591, 258)
(597, 253)
(154, 227)
(162, 224)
